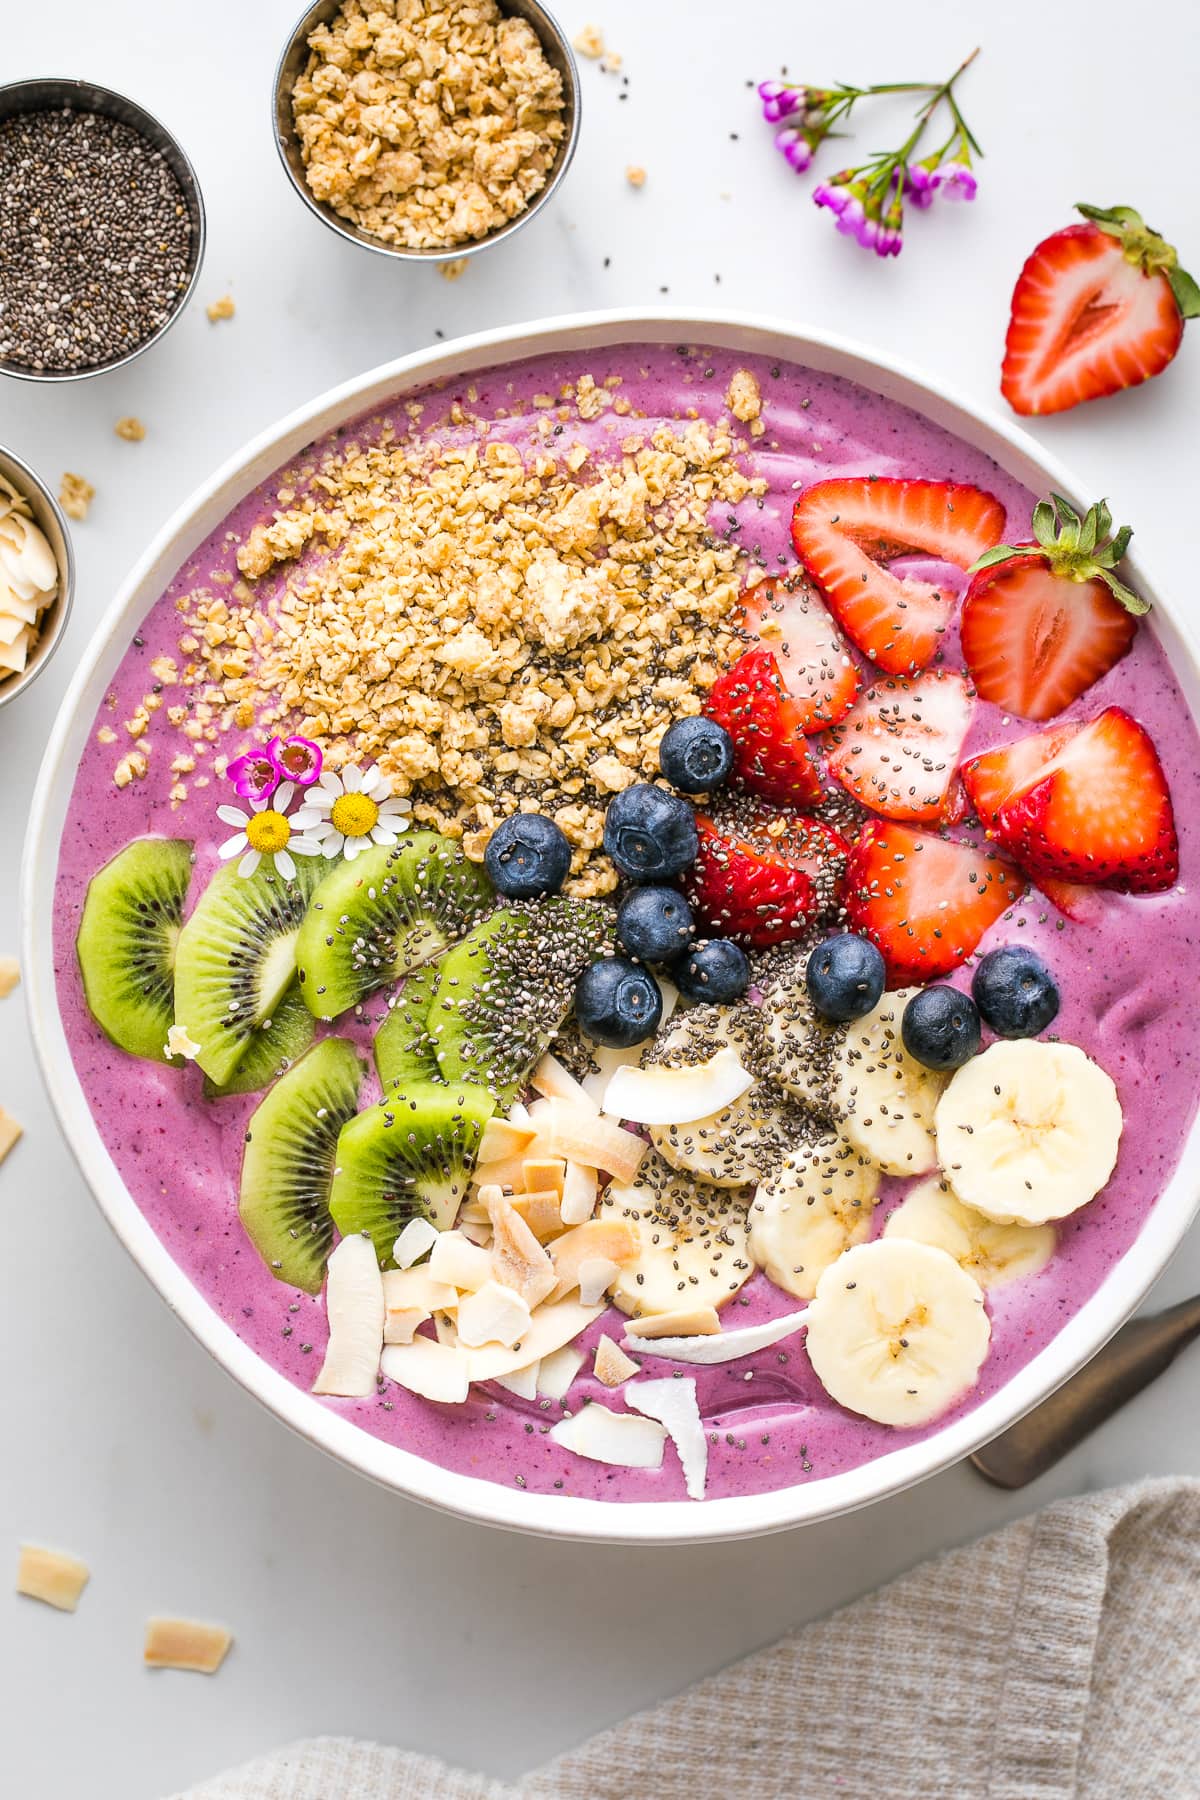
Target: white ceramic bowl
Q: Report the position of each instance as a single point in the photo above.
(641, 1523)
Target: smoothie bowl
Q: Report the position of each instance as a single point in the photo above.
(605, 967)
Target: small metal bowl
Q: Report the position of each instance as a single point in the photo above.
(559, 55)
(57, 94)
(48, 515)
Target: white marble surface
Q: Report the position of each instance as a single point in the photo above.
(356, 1612)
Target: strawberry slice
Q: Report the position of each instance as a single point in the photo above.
(996, 776)
(1099, 813)
(1084, 905)
(786, 614)
(897, 749)
(1097, 308)
(844, 530)
(762, 875)
(767, 728)
(1042, 621)
(924, 901)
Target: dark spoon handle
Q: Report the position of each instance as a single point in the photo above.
(1128, 1363)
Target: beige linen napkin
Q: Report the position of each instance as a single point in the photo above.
(1058, 1658)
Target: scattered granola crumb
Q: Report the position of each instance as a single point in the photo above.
(75, 495)
(132, 767)
(220, 309)
(131, 429)
(10, 1133)
(185, 1644)
(450, 271)
(10, 975)
(51, 1576)
(635, 175)
(106, 735)
(589, 41)
(611, 64)
(744, 396)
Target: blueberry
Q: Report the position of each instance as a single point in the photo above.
(940, 1027)
(655, 924)
(1015, 992)
(650, 834)
(715, 969)
(617, 1003)
(696, 755)
(845, 978)
(527, 855)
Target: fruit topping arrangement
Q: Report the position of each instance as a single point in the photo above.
(810, 989)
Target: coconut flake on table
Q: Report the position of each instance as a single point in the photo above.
(624, 1440)
(673, 1403)
(727, 1346)
(354, 1307)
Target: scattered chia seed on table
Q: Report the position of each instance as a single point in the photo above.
(96, 236)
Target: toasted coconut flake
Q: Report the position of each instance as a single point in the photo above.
(459, 1263)
(557, 1371)
(51, 1576)
(673, 1403)
(551, 1079)
(612, 1240)
(186, 1644)
(354, 1306)
(501, 1139)
(518, 1260)
(624, 1440)
(686, 1322)
(542, 1173)
(434, 1370)
(494, 1315)
(612, 1366)
(582, 1136)
(551, 1328)
(418, 1237)
(596, 1276)
(542, 1212)
(726, 1347)
(10, 975)
(10, 1133)
(665, 1096)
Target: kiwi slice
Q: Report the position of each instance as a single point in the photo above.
(505, 990)
(273, 1047)
(375, 918)
(127, 940)
(404, 1047)
(288, 1162)
(237, 959)
(409, 1157)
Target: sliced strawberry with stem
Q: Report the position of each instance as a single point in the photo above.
(846, 529)
(897, 749)
(924, 901)
(788, 616)
(1042, 621)
(1096, 308)
(764, 876)
(767, 727)
(1100, 814)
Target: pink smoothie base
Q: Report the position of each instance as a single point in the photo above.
(770, 1425)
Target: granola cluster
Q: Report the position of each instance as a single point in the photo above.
(427, 123)
(498, 625)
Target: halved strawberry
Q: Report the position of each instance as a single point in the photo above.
(845, 529)
(763, 875)
(1042, 621)
(997, 775)
(1096, 308)
(1085, 905)
(767, 728)
(897, 748)
(787, 615)
(1099, 814)
(924, 901)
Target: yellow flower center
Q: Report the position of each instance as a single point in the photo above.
(268, 831)
(355, 815)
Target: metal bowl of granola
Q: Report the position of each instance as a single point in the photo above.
(438, 169)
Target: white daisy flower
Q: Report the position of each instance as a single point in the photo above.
(266, 833)
(348, 809)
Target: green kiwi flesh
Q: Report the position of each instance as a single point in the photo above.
(127, 942)
(404, 1048)
(272, 1049)
(392, 908)
(409, 1157)
(288, 1162)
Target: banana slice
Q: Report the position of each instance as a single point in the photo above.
(897, 1331)
(1029, 1131)
(693, 1243)
(743, 1142)
(859, 1075)
(994, 1254)
(818, 1205)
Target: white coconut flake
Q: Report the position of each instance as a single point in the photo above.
(596, 1276)
(557, 1371)
(355, 1309)
(418, 1237)
(727, 1346)
(434, 1370)
(662, 1096)
(673, 1403)
(494, 1315)
(624, 1440)
(522, 1382)
(552, 1327)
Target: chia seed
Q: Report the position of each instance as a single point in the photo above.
(97, 240)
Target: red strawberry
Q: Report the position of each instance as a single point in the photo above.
(1041, 622)
(1097, 307)
(997, 775)
(1099, 814)
(786, 614)
(767, 728)
(1083, 904)
(897, 749)
(845, 529)
(925, 901)
(763, 876)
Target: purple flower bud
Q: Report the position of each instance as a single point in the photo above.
(957, 181)
(829, 194)
(256, 775)
(920, 184)
(795, 148)
(778, 101)
(853, 221)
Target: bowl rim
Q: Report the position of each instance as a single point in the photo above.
(467, 1496)
(46, 647)
(432, 254)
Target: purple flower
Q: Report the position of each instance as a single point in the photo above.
(957, 182)
(920, 184)
(853, 221)
(888, 241)
(830, 194)
(299, 759)
(795, 148)
(778, 101)
(256, 775)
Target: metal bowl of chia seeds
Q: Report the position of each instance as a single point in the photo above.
(48, 516)
(556, 47)
(97, 267)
